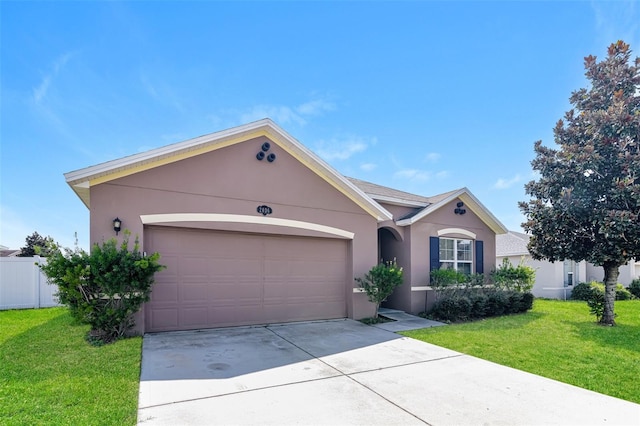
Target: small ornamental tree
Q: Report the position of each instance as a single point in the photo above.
(585, 204)
(380, 282)
(106, 287)
(37, 245)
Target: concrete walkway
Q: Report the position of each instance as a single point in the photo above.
(346, 373)
(403, 321)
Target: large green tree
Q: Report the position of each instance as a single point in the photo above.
(36, 244)
(585, 205)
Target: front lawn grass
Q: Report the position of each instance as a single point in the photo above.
(556, 339)
(50, 375)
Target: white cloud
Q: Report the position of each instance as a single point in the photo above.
(432, 157)
(507, 183)
(316, 107)
(342, 148)
(443, 174)
(413, 175)
(367, 167)
(284, 114)
(40, 92)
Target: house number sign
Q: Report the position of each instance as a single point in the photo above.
(264, 210)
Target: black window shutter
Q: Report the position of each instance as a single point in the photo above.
(479, 258)
(434, 253)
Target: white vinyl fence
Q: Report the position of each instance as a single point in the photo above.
(23, 285)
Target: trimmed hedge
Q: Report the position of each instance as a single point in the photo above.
(480, 304)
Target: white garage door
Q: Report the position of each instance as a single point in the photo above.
(219, 279)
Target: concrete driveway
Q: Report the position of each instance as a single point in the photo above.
(344, 372)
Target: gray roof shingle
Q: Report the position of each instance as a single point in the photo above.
(512, 244)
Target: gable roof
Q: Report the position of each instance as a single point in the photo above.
(426, 205)
(470, 202)
(82, 180)
(512, 244)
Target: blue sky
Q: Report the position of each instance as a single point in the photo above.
(424, 97)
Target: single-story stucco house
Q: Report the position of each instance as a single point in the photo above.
(555, 280)
(255, 228)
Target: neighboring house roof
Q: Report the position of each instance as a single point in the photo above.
(5, 252)
(81, 180)
(512, 244)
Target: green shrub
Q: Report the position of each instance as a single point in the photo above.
(446, 277)
(634, 288)
(623, 293)
(479, 304)
(104, 288)
(380, 282)
(526, 303)
(497, 302)
(517, 278)
(596, 304)
(581, 291)
(585, 291)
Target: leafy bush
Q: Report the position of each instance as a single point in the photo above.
(380, 282)
(446, 277)
(622, 293)
(517, 278)
(104, 288)
(480, 303)
(634, 288)
(497, 303)
(596, 304)
(585, 291)
(581, 291)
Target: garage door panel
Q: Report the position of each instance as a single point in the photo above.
(217, 279)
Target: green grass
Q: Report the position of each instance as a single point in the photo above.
(50, 375)
(559, 340)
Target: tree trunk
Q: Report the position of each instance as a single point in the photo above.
(611, 273)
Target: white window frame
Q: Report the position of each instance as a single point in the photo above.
(455, 259)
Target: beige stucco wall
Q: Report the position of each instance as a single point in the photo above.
(413, 251)
(231, 180)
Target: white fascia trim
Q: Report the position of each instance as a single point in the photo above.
(89, 173)
(398, 201)
(149, 219)
(472, 202)
(421, 288)
(83, 176)
(358, 290)
(457, 231)
(430, 209)
(382, 213)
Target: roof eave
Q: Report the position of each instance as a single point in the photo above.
(470, 201)
(80, 180)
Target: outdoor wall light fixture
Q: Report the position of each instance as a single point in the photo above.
(117, 225)
(459, 208)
